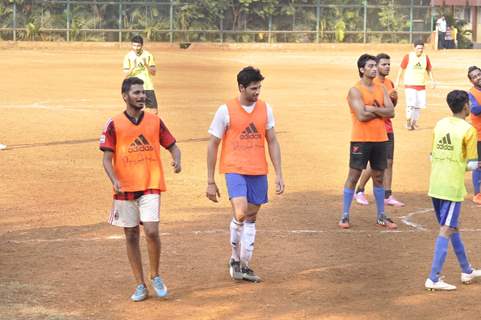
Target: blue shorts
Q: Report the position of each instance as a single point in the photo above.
(254, 188)
(447, 212)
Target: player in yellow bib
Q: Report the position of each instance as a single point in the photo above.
(454, 152)
(414, 67)
(140, 63)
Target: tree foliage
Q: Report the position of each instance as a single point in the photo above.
(204, 20)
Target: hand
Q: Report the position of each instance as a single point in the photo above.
(393, 95)
(279, 185)
(117, 187)
(176, 165)
(212, 192)
(433, 84)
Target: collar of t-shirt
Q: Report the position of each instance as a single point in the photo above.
(133, 120)
(249, 108)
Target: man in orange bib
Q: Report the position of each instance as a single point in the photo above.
(243, 125)
(474, 75)
(383, 69)
(131, 144)
(369, 104)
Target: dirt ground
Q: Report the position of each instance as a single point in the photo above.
(59, 259)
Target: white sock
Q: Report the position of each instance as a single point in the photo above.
(247, 242)
(408, 113)
(235, 238)
(415, 114)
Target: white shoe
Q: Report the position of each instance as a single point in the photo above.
(467, 278)
(439, 285)
(3, 146)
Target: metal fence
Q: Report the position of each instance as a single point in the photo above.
(172, 21)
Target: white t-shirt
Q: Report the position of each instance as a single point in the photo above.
(221, 119)
(441, 23)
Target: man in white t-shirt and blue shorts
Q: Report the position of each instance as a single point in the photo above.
(243, 125)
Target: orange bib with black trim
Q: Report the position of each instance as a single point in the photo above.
(373, 130)
(137, 162)
(243, 149)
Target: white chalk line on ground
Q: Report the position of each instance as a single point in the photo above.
(407, 220)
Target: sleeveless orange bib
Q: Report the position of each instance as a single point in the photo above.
(243, 149)
(373, 130)
(137, 162)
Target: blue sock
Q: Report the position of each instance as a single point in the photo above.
(379, 196)
(347, 201)
(460, 253)
(476, 177)
(440, 253)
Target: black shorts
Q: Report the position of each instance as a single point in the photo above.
(390, 146)
(479, 150)
(373, 152)
(150, 99)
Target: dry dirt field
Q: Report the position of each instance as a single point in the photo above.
(59, 259)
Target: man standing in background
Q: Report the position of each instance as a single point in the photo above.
(140, 63)
(415, 65)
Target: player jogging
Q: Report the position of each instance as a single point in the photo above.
(454, 151)
(383, 68)
(140, 63)
(414, 66)
(131, 144)
(369, 104)
(474, 75)
(243, 124)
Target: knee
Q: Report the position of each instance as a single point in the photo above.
(377, 178)
(151, 233)
(251, 218)
(132, 235)
(447, 231)
(240, 214)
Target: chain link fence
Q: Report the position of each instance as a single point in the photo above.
(304, 21)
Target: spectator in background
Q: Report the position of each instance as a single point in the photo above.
(441, 27)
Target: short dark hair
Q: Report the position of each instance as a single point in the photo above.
(471, 69)
(456, 100)
(248, 75)
(361, 62)
(382, 56)
(137, 39)
(129, 82)
(418, 43)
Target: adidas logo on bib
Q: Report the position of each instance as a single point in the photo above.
(250, 132)
(140, 144)
(445, 143)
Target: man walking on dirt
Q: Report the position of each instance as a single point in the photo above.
(131, 144)
(242, 124)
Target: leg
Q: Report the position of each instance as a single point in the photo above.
(249, 234)
(477, 178)
(378, 190)
(352, 178)
(151, 231)
(132, 237)
(458, 247)
(447, 213)
(359, 195)
(387, 180)
(359, 156)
